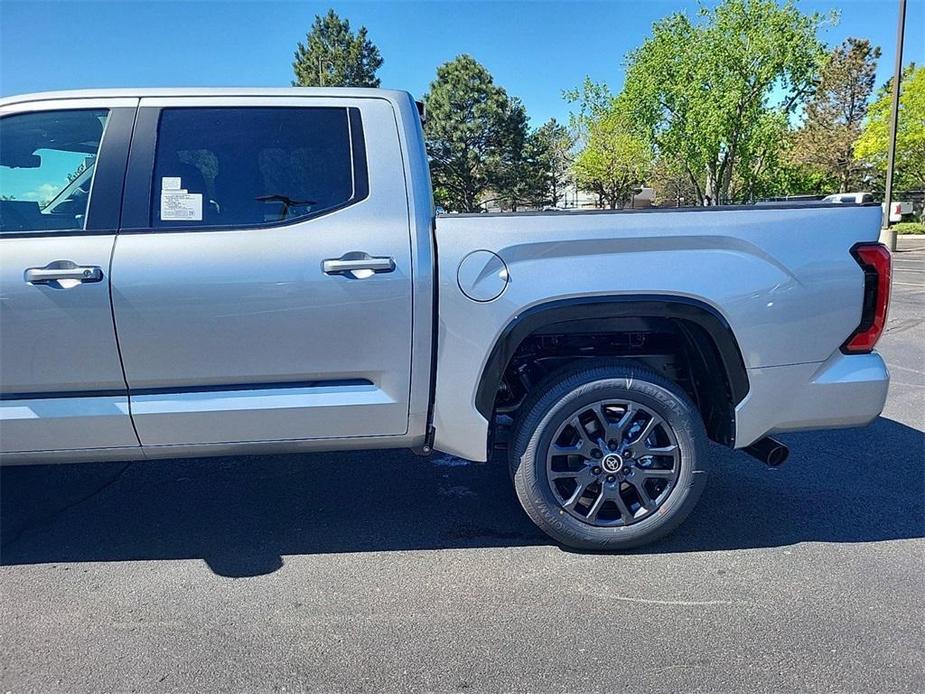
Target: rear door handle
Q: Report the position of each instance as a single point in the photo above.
(60, 270)
(357, 265)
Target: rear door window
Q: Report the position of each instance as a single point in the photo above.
(47, 165)
(254, 166)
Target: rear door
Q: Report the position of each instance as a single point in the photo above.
(61, 173)
(262, 280)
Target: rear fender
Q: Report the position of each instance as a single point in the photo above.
(609, 309)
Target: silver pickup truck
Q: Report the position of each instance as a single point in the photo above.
(236, 271)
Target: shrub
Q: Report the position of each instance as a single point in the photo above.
(908, 228)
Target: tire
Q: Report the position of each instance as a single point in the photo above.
(626, 500)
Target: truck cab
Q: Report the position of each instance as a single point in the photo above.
(255, 262)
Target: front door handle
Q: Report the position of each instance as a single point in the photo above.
(63, 270)
(357, 265)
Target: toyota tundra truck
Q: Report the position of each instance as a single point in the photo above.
(236, 271)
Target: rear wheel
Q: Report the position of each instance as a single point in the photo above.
(608, 456)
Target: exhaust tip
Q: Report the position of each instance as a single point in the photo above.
(769, 451)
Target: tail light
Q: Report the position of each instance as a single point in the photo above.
(874, 259)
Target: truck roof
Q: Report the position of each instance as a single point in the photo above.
(354, 92)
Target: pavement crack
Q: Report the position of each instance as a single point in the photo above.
(904, 325)
(672, 603)
(67, 507)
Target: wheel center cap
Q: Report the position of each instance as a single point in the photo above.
(612, 462)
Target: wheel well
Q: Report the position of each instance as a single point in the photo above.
(684, 340)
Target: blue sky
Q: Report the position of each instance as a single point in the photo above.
(534, 49)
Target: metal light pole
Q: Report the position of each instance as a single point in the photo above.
(894, 119)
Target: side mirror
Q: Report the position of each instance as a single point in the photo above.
(17, 160)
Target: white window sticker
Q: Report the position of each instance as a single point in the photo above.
(180, 205)
(171, 183)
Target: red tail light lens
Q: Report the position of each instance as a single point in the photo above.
(874, 259)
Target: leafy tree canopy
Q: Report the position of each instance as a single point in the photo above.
(615, 160)
(874, 142)
(335, 56)
(594, 100)
(702, 90)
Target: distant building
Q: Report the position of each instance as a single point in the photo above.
(574, 199)
(582, 199)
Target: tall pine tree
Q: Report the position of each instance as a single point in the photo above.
(475, 136)
(835, 114)
(335, 56)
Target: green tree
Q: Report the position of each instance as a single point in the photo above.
(553, 145)
(789, 179)
(874, 142)
(761, 158)
(543, 172)
(593, 100)
(779, 174)
(511, 168)
(335, 56)
(702, 91)
(673, 186)
(835, 114)
(614, 162)
(475, 136)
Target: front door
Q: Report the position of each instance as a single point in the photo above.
(262, 279)
(61, 174)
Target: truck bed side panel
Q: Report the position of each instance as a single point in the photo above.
(783, 279)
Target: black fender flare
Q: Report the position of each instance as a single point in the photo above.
(544, 316)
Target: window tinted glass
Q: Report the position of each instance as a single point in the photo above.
(47, 160)
(235, 167)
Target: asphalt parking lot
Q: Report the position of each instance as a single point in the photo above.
(382, 571)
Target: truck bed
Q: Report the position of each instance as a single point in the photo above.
(781, 276)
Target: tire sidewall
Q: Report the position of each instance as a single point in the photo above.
(530, 476)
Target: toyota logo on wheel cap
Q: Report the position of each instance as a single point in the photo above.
(612, 462)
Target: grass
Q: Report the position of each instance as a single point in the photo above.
(908, 228)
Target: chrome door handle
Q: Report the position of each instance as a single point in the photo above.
(375, 264)
(63, 270)
(357, 265)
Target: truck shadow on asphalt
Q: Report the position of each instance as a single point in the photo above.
(243, 515)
